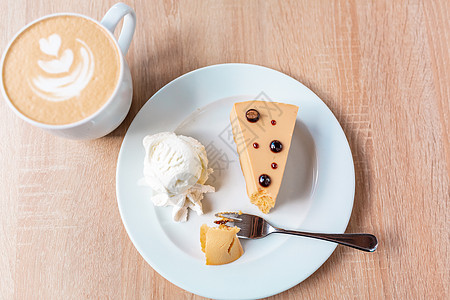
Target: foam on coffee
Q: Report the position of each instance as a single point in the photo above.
(61, 69)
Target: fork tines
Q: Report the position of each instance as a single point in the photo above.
(229, 215)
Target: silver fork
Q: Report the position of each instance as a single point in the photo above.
(254, 227)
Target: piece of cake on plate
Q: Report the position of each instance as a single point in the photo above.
(220, 244)
(262, 131)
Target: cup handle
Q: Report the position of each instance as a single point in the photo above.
(113, 17)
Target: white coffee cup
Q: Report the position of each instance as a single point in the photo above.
(114, 111)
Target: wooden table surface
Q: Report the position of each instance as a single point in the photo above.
(382, 67)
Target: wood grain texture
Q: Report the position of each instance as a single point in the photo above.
(383, 68)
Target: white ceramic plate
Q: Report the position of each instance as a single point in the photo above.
(316, 194)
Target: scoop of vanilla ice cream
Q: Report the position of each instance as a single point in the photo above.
(176, 168)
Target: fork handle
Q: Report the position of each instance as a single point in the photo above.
(360, 241)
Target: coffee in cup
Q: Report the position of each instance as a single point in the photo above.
(61, 69)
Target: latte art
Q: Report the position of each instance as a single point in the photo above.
(57, 66)
(67, 86)
(61, 69)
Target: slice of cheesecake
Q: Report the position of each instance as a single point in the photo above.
(220, 244)
(262, 132)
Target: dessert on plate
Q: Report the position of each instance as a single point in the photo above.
(262, 131)
(176, 168)
(220, 244)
